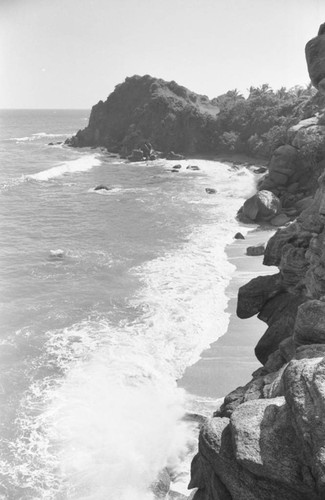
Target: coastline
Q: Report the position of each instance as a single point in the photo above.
(230, 359)
(233, 159)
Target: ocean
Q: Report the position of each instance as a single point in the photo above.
(106, 297)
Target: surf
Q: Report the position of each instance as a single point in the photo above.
(82, 164)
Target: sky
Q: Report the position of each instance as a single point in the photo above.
(72, 53)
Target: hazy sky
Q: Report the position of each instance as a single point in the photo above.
(71, 53)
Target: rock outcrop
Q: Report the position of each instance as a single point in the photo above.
(146, 110)
(267, 440)
(296, 165)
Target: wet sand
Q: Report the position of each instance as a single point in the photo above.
(230, 361)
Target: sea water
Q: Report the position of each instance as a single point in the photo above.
(106, 297)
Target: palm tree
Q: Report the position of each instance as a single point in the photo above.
(234, 94)
(282, 93)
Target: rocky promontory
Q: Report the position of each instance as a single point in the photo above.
(146, 110)
(267, 441)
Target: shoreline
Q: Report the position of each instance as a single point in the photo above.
(233, 159)
(230, 359)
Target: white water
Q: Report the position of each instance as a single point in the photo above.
(81, 164)
(107, 415)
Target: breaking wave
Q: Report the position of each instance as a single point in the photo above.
(81, 164)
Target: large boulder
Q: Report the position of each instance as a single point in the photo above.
(262, 206)
(270, 447)
(283, 164)
(253, 295)
(310, 323)
(251, 456)
(315, 56)
(304, 382)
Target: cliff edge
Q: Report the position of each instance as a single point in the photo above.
(144, 109)
(267, 441)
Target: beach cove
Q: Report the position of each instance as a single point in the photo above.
(230, 359)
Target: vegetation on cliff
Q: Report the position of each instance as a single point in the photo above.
(170, 117)
(258, 124)
(149, 110)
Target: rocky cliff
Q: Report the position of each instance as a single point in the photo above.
(267, 441)
(150, 110)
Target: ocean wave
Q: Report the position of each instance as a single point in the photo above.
(112, 407)
(37, 135)
(81, 164)
(107, 415)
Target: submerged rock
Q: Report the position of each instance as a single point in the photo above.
(210, 191)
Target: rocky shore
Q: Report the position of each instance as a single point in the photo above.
(267, 441)
(145, 115)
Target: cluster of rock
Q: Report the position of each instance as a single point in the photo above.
(146, 110)
(288, 186)
(267, 441)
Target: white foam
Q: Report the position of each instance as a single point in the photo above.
(37, 135)
(44, 134)
(114, 420)
(82, 164)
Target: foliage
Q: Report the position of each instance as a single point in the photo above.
(258, 124)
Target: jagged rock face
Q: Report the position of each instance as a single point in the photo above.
(315, 56)
(147, 109)
(267, 440)
(271, 447)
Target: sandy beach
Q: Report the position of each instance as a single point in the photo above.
(230, 361)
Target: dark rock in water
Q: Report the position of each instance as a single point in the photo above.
(192, 167)
(210, 191)
(177, 167)
(255, 250)
(137, 155)
(174, 170)
(51, 144)
(102, 186)
(260, 170)
(239, 236)
(262, 206)
(174, 156)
